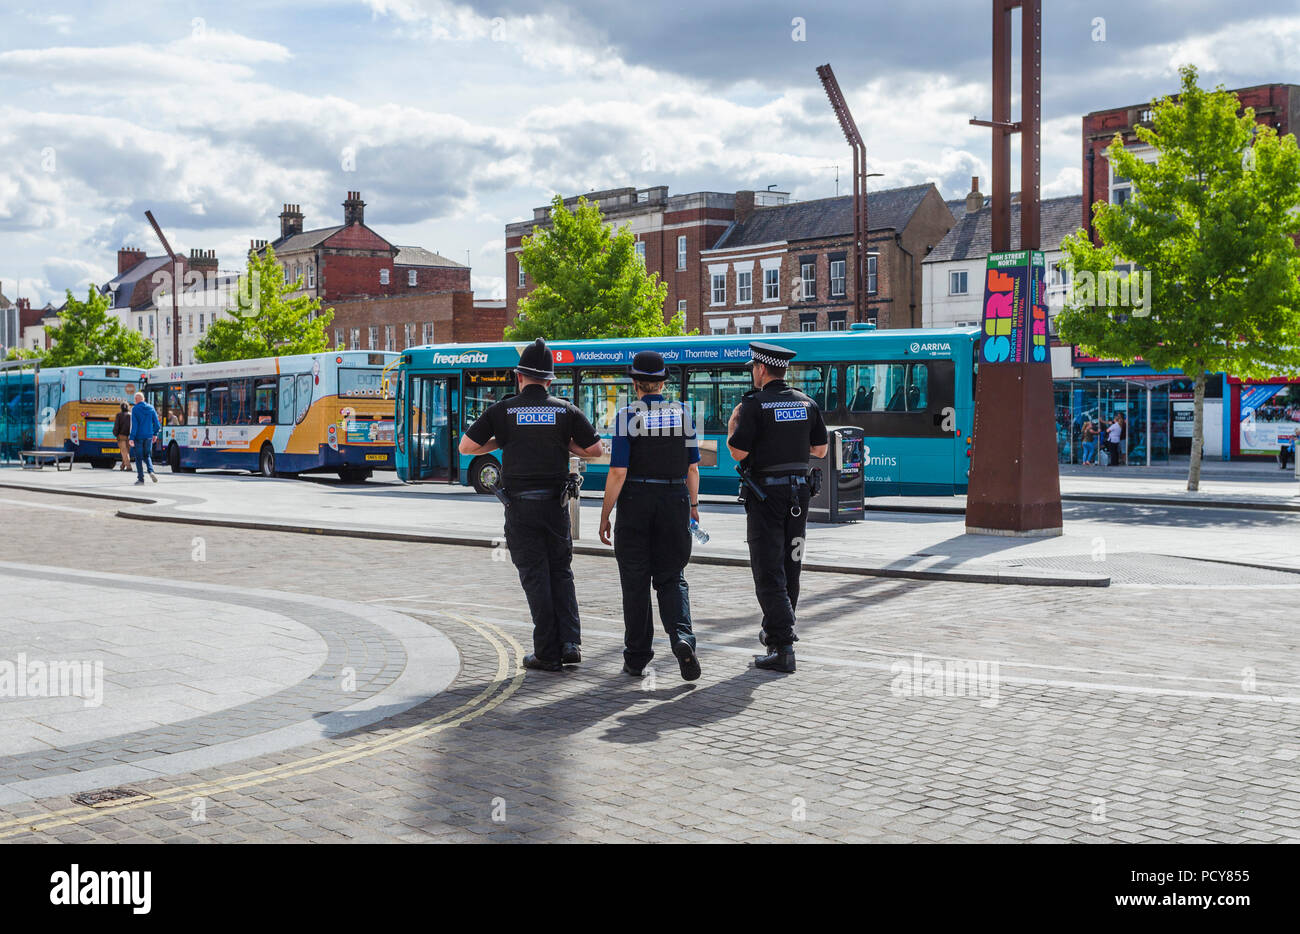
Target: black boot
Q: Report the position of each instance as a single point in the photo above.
(540, 664)
(781, 658)
(571, 654)
(686, 660)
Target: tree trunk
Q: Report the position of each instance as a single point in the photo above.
(1198, 432)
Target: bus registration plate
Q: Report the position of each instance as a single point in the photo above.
(376, 457)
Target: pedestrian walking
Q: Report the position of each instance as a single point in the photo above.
(536, 432)
(144, 429)
(122, 432)
(1123, 437)
(772, 433)
(1089, 435)
(654, 480)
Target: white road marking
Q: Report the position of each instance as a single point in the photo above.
(1099, 686)
(19, 502)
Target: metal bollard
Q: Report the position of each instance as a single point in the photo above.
(579, 466)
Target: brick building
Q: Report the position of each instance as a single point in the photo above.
(1277, 105)
(384, 296)
(671, 231)
(790, 267)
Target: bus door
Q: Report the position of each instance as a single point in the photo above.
(434, 405)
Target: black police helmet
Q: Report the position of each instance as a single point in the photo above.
(648, 365)
(536, 361)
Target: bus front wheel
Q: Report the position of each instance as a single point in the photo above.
(484, 474)
(266, 461)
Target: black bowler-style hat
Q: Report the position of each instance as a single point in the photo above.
(535, 360)
(649, 365)
(770, 355)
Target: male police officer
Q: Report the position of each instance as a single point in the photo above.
(772, 432)
(536, 432)
(655, 480)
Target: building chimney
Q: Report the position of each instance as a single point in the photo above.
(974, 200)
(203, 261)
(354, 209)
(290, 221)
(744, 206)
(127, 257)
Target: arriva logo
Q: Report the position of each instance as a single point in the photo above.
(929, 347)
(878, 460)
(469, 356)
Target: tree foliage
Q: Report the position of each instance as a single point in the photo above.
(88, 335)
(588, 282)
(265, 321)
(1210, 229)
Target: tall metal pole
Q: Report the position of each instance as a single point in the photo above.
(176, 281)
(1031, 94)
(1001, 184)
(860, 229)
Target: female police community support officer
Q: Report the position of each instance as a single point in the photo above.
(536, 432)
(772, 432)
(655, 480)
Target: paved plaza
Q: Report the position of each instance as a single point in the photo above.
(268, 685)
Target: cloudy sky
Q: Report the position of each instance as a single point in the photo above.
(454, 119)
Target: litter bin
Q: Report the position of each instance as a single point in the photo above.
(841, 497)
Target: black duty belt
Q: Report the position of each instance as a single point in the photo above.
(535, 494)
(783, 479)
(667, 481)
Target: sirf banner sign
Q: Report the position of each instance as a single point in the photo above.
(1015, 308)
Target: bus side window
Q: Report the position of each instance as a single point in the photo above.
(176, 407)
(264, 402)
(303, 401)
(198, 404)
(284, 412)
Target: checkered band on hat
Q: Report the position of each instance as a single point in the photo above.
(769, 360)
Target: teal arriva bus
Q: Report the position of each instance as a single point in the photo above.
(911, 391)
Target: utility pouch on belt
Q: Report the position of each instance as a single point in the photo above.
(501, 495)
(814, 481)
(572, 487)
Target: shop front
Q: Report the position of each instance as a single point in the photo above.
(1085, 407)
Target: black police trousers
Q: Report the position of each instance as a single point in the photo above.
(541, 547)
(652, 543)
(776, 546)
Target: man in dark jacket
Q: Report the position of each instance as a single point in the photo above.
(144, 428)
(122, 432)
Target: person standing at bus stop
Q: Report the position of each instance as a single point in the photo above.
(536, 432)
(772, 433)
(144, 428)
(655, 480)
(122, 432)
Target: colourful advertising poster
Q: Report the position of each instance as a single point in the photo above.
(1003, 339)
(1036, 348)
(1015, 308)
(1270, 417)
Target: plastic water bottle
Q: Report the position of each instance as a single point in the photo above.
(701, 536)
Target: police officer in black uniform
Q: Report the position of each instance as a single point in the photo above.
(772, 433)
(655, 481)
(536, 432)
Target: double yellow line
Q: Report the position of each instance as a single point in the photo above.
(506, 681)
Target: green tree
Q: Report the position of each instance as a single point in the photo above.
(26, 353)
(588, 282)
(88, 335)
(265, 322)
(1209, 228)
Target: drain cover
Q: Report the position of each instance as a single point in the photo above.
(106, 797)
